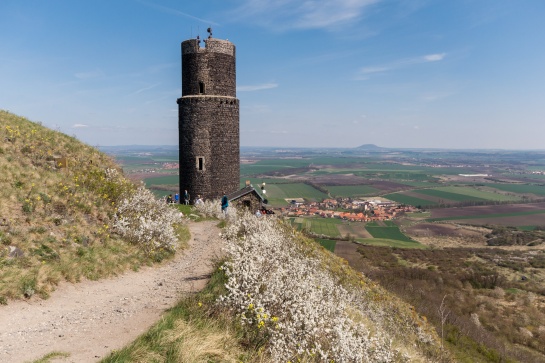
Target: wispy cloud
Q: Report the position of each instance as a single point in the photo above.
(89, 74)
(402, 63)
(79, 126)
(176, 12)
(143, 89)
(302, 14)
(434, 57)
(257, 87)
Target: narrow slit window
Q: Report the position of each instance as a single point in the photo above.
(201, 87)
(200, 163)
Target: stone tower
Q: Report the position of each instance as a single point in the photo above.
(208, 119)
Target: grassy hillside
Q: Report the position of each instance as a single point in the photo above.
(58, 204)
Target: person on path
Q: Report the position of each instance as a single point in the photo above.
(176, 198)
(224, 203)
(169, 199)
(186, 197)
(199, 200)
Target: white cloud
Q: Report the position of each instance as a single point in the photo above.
(434, 57)
(176, 12)
(257, 87)
(140, 90)
(401, 63)
(79, 126)
(301, 14)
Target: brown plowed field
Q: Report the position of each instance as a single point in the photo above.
(356, 229)
(442, 229)
(490, 209)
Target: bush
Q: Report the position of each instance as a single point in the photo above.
(284, 295)
(147, 222)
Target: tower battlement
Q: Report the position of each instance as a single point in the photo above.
(211, 45)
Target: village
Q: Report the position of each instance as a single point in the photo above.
(346, 209)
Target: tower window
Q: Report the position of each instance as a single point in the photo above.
(200, 163)
(201, 87)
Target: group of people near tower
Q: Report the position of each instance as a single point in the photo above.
(186, 198)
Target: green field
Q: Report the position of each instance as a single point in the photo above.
(277, 193)
(328, 244)
(472, 192)
(161, 180)
(520, 188)
(389, 243)
(351, 190)
(448, 195)
(406, 199)
(390, 233)
(323, 226)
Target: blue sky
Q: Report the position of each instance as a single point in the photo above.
(336, 73)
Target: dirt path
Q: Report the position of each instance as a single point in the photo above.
(90, 319)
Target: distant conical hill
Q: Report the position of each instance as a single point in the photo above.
(57, 199)
(370, 147)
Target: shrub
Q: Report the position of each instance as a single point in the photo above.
(147, 222)
(283, 294)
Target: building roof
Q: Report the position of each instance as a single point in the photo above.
(242, 192)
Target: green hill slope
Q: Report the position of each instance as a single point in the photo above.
(58, 205)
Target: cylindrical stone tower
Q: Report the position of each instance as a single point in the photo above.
(208, 119)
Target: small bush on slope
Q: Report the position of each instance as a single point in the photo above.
(59, 217)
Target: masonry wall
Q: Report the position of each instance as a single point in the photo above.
(209, 120)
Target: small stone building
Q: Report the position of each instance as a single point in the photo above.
(246, 197)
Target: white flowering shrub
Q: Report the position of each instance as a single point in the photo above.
(147, 222)
(212, 208)
(283, 292)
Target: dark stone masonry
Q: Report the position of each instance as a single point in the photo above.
(208, 121)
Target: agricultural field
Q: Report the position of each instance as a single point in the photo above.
(328, 244)
(527, 214)
(538, 190)
(351, 191)
(389, 232)
(277, 194)
(404, 198)
(159, 180)
(450, 195)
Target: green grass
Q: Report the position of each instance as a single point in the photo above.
(190, 329)
(53, 355)
(390, 233)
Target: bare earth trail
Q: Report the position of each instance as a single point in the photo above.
(92, 318)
